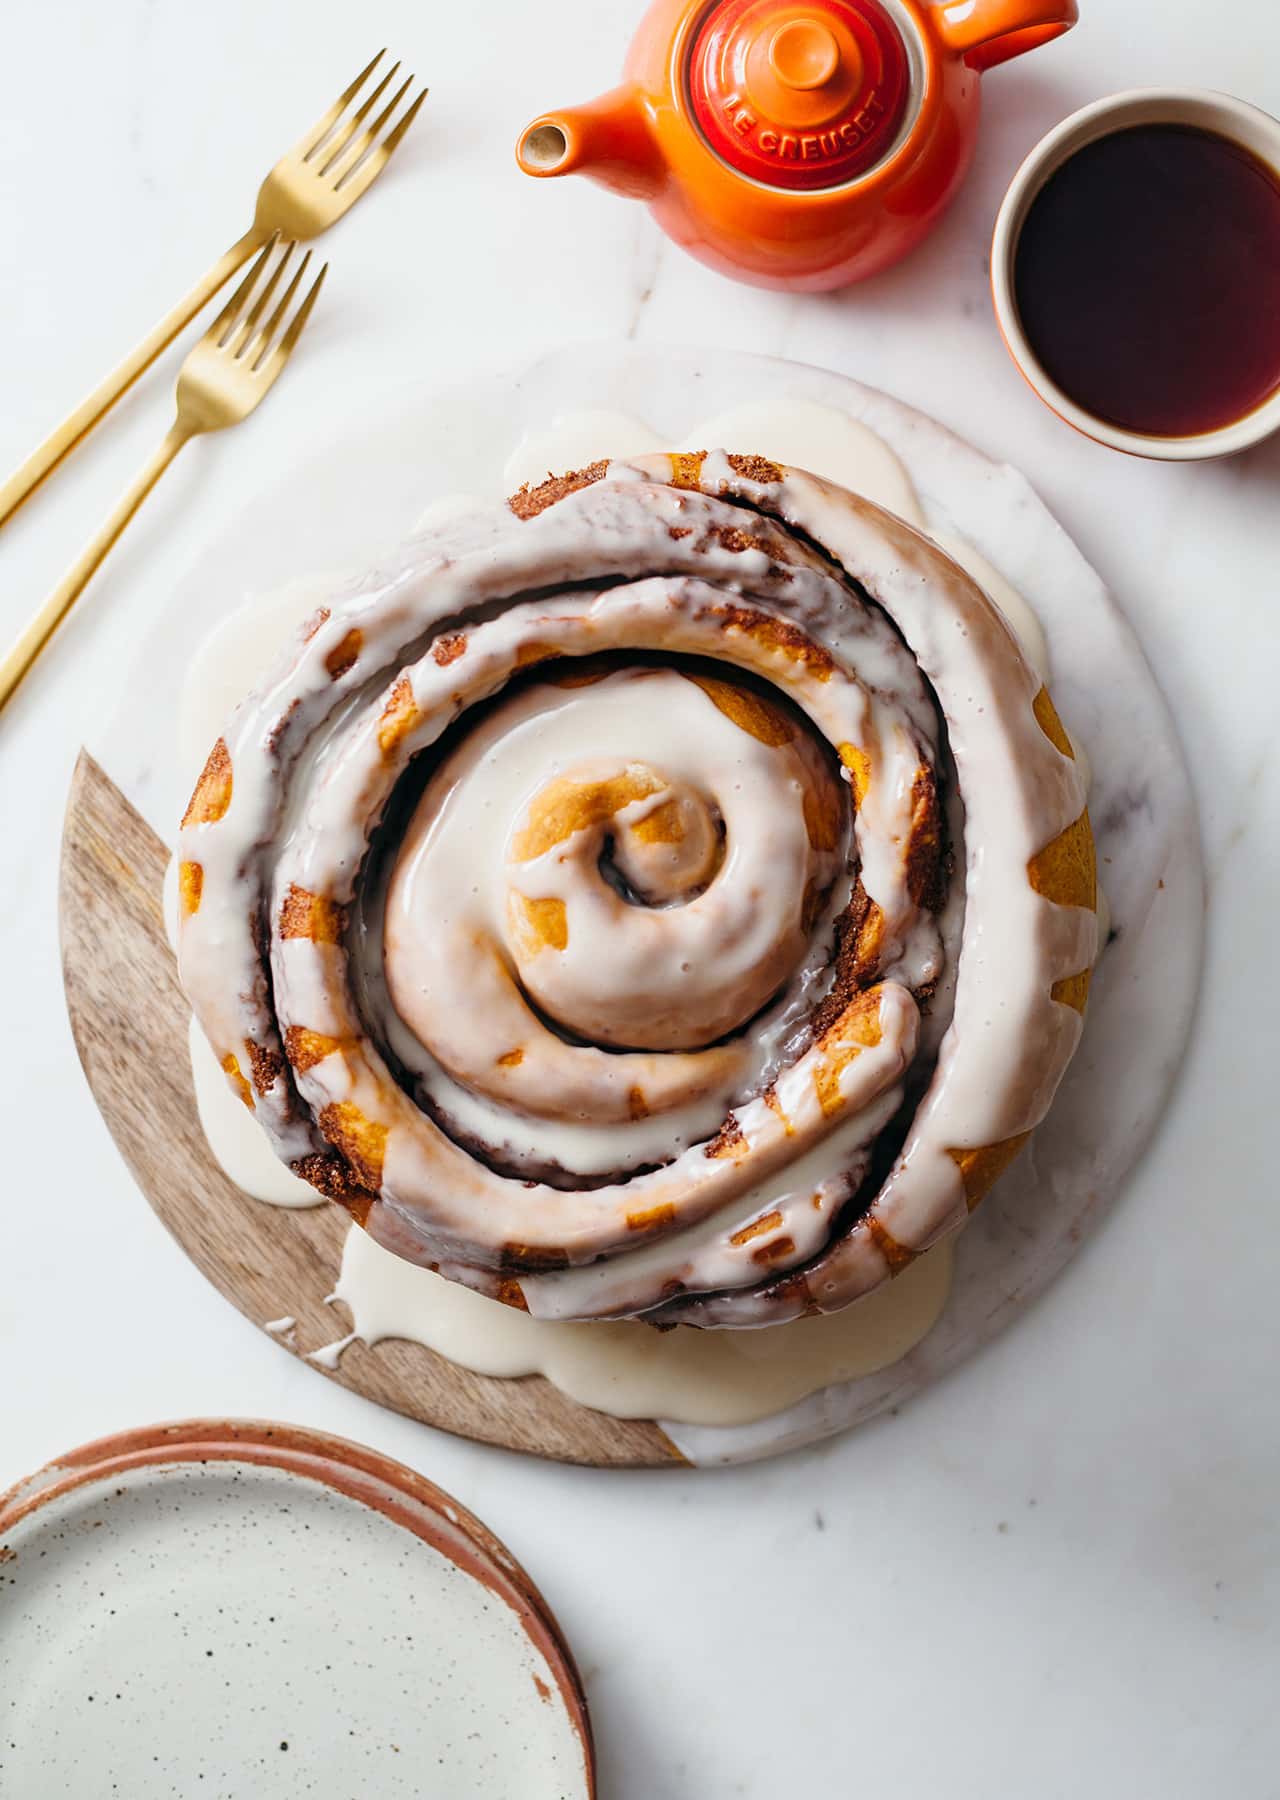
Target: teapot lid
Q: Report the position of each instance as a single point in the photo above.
(799, 93)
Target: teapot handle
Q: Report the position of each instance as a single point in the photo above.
(987, 32)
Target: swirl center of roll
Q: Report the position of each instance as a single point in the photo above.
(659, 841)
(663, 841)
(638, 853)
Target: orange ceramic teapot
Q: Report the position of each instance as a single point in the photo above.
(795, 143)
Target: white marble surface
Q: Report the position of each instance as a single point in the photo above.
(1055, 1573)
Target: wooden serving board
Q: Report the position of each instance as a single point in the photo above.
(130, 1023)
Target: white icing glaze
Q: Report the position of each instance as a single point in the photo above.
(328, 1356)
(445, 510)
(630, 1370)
(1024, 623)
(572, 441)
(239, 1143)
(243, 644)
(240, 1147)
(819, 438)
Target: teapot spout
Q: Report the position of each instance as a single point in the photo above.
(609, 139)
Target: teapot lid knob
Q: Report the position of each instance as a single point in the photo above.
(804, 53)
(799, 93)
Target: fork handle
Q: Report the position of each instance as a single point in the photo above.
(37, 633)
(81, 422)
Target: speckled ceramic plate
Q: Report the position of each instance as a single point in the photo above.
(234, 1609)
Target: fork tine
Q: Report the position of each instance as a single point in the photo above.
(232, 309)
(392, 140)
(284, 349)
(319, 132)
(353, 185)
(240, 333)
(349, 93)
(356, 152)
(338, 140)
(266, 337)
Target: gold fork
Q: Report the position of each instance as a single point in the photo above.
(222, 380)
(308, 190)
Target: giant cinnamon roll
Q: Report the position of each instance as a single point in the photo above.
(668, 895)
